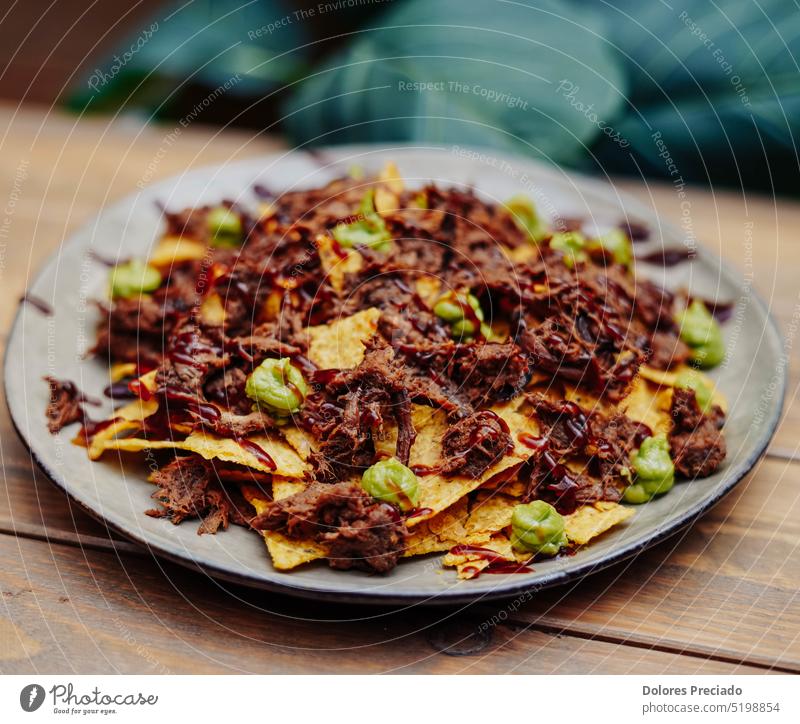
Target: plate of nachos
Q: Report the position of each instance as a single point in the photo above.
(391, 374)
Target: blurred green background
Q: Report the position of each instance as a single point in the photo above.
(698, 91)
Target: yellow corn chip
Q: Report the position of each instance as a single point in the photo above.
(391, 178)
(287, 553)
(440, 533)
(664, 378)
(288, 463)
(590, 521)
(176, 250)
(120, 370)
(337, 262)
(303, 443)
(490, 513)
(212, 311)
(470, 564)
(437, 492)
(429, 289)
(284, 487)
(340, 345)
(646, 404)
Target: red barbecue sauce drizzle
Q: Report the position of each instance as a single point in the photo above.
(423, 470)
(138, 389)
(107, 260)
(338, 250)
(667, 257)
(91, 427)
(37, 303)
(417, 512)
(120, 390)
(497, 563)
(187, 346)
(257, 452)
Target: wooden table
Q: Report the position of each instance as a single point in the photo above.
(721, 597)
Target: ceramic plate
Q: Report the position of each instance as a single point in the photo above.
(752, 377)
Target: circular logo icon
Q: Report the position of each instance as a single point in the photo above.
(31, 697)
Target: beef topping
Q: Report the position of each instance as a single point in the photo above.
(358, 531)
(472, 445)
(189, 488)
(65, 405)
(698, 448)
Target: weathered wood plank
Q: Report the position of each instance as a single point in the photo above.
(725, 587)
(101, 614)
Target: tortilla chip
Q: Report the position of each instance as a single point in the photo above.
(440, 533)
(256, 498)
(340, 345)
(522, 253)
(490, 512)
(121, 370)
(519, 424)
(287, 553)
(436, 492)
(590, 521)
(337, 262)
(303, 443)
(643, 403)
(212, 310)
(391, 178)
(127, 420)
(176, 250)
(429, 289)
(288, 463)
(284, 487)
(665, 378)
(469, 565)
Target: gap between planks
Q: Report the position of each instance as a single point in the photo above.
(571, 630)
(593, 633)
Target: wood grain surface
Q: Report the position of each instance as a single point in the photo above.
(720, 597)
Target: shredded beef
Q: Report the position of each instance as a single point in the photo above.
(358, 531)
(189, 488)
(667, 350)
(570, 432)
(698, 447)
(226, 387)
(584, 321)
(551, 480)
(64, 406)
(611, 441)
(472, 445)
(356, 404)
